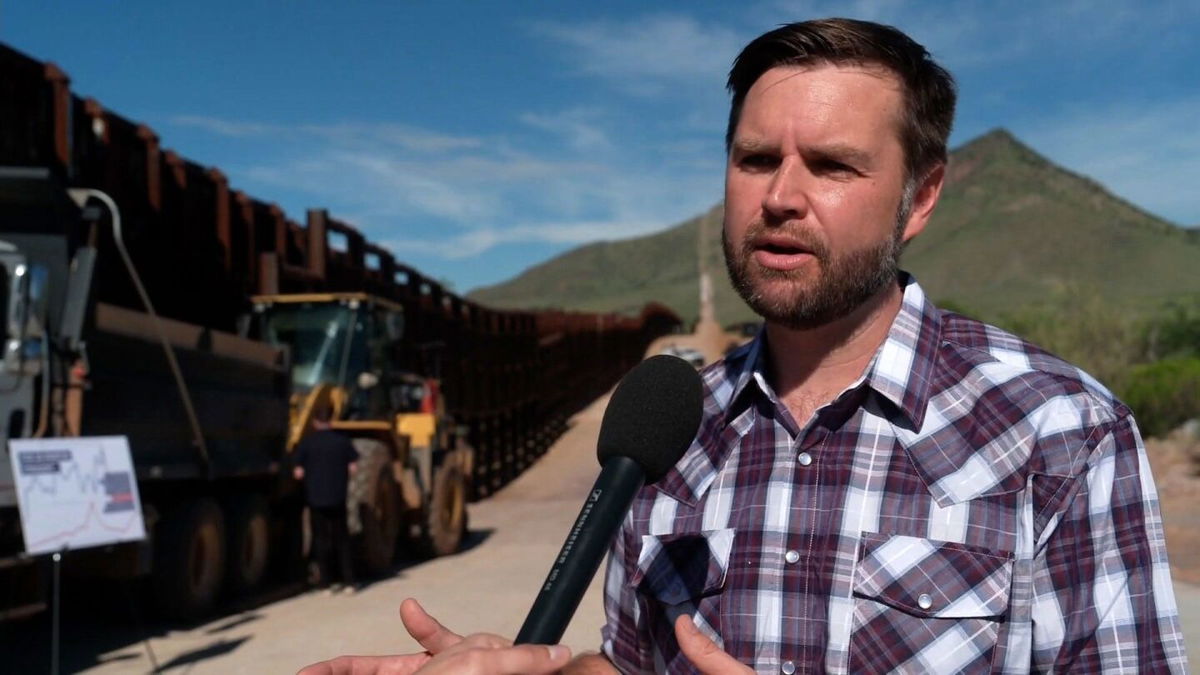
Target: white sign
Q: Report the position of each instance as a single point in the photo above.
(75, 492)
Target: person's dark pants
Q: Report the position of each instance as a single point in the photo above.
(330, 539)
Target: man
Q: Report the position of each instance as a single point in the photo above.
(877, 485)
(325, 460)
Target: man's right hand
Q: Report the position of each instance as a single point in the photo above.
(448, 653)
(704, 654)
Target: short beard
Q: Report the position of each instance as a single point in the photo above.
(843, 283)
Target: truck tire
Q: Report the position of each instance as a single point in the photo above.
(249, 542)
(444, 521)
(374, 497)
(189, 559)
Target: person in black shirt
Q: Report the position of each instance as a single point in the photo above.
(325, 460)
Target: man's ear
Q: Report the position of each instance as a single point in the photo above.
(924, 200)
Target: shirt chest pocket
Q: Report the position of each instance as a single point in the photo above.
(676, 568)
(927, 606)
(682, 574)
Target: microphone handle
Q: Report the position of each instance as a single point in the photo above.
(577, 562)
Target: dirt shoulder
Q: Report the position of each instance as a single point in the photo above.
(1174, 461)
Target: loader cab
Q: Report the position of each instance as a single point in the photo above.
(349, 341)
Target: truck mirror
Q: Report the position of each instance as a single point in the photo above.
(17, 282)
(25, 315)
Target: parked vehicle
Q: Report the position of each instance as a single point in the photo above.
(690, 354)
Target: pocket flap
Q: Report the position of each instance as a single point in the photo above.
(934, 579)
(677, 567)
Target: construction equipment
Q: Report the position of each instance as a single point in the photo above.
(347, 353)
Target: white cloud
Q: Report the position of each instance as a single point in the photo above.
(647, 54)
(476, 193)
(479, 240)
(223, 127)
(578, 127)
(347, 133)
(975, 33)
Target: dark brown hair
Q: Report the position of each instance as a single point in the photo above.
(929, 91)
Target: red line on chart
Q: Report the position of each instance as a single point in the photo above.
(83, 526)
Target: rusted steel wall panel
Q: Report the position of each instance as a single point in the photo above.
(32, 112)
(510, 378)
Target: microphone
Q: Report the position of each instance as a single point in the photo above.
(649, 423)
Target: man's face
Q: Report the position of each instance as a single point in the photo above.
(815, 211)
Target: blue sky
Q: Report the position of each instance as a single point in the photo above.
(475, 139)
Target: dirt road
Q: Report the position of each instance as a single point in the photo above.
(488, 587)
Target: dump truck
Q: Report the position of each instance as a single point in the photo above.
(205, 411)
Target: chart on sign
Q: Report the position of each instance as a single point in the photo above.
(76, 492)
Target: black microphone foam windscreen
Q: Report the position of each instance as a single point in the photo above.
(653, 415)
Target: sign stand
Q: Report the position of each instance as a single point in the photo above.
(54, 613)
(74, 493)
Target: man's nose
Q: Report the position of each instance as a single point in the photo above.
(785, 197)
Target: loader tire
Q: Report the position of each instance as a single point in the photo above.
(444, 521)
(375, 500)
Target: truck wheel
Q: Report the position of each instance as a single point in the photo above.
(189, 559)
(445, 519)
(249, 542)
(376, 500)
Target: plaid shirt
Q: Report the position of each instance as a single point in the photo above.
(971, 504)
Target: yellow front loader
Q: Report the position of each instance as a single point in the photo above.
(346, 354)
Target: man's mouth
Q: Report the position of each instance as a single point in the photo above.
(781, 254)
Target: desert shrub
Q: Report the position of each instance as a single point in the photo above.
(1163, 394)
(1176, 332)
(1085, 330)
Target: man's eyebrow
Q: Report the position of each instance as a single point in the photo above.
(752, 145)
(842, 152)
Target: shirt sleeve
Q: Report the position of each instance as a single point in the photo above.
(1103, 600)
(626, 642)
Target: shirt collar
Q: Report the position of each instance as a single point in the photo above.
(901, 371)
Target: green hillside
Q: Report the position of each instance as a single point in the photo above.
(1012, 230)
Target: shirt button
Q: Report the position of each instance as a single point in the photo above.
(788, 668)
(804, 458)
(792, 556)
(924, 601)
